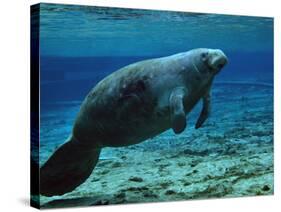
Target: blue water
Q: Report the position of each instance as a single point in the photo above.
(58, 74)
(80, 45)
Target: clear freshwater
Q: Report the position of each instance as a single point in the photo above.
(231, 155)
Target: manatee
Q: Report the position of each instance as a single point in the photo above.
(134, 103)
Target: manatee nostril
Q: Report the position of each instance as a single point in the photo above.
(222, 63)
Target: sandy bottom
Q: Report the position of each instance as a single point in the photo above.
(231, 156)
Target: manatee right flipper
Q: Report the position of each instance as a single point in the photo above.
(67, 168)
(205, 110)
(177, 111)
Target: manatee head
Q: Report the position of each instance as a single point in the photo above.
(208, 61)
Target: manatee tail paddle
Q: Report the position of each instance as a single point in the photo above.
(68, 167)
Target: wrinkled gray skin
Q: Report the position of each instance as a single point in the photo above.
(129, 106)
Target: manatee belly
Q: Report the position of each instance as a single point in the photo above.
(134, 129)
(121, 121)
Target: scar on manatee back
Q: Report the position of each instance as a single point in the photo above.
(131, 87)
(135, 96)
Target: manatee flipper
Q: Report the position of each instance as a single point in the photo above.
(67, 168)
(177, 111)
(205, 110)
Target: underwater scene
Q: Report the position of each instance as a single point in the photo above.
(230, 155)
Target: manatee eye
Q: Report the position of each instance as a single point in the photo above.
(204, 56)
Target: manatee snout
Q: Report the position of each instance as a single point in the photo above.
(217, 60)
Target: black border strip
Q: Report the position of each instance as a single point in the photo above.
(34, 104)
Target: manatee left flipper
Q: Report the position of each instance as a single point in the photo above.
(205, 110)
(177, 111)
